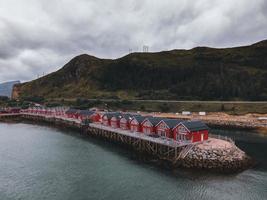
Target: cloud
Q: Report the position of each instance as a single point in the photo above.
(40, 36)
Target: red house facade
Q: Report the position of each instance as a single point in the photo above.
(125, 121)
(96, 117)
(191, 131)
(148, 126)
(13, 110)
(115, 121)
(165, 127)
(135, 123)
(111, 119)
(72, 113)
(106, 119)
(88, 115)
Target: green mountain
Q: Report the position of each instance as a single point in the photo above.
(201, 73)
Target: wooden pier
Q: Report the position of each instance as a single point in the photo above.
(161, 148)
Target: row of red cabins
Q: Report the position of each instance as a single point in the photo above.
(83, 115)
(191, 131)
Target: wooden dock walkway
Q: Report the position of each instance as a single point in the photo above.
(162, 148)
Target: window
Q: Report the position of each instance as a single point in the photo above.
(162, 133)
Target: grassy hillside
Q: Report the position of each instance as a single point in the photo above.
(200, 74)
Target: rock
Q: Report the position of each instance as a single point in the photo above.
(227, 160)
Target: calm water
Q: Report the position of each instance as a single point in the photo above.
(44, 163)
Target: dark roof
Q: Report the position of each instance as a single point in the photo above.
(86, 112)
(126, 116)
(171, 123)
(112, 114)
(117, 115)
(14, 108)
(154, 120)
(139, 118)
(71, 111)
(195, 125)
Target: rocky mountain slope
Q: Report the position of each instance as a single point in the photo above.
(201, 73)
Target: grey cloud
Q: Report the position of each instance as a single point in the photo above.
(39, 36)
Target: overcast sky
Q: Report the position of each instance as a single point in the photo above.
(40, 36)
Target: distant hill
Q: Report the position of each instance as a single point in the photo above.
(201, 73)
(6, 88)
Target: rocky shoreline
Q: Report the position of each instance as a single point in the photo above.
(217, 155)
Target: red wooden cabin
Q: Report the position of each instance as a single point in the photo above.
(191, 131)
(125, 121)
(95, 117)
(84, 114)
(164, 127)
(72, 113)
(106, 118)
(148, 126)
(115, 120)
(13, 110)
(135, 123)
(88, 115)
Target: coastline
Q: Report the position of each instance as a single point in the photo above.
(226, 159)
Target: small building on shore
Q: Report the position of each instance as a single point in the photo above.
(165, 127)
(136, 123)
(89, 115)
(191, 131)
(72, 113)
(115, 120)
(111, 119)
(149, 124)
(106, 118)
(125, 121)
(13, 109)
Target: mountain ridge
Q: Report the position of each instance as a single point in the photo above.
(201, 73)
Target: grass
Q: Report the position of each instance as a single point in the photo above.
(234, 108)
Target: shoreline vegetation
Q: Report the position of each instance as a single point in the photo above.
(215, 155)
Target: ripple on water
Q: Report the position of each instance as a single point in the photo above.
(39, 162)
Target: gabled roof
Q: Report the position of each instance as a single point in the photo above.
(112, 114)
(127, 116)
(86, 112)
(117, 115)
(15, 108)
(154, 120)
(195, 125)
(171, 123)
(72, 111)
(139, 118)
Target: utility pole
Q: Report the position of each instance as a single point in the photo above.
(145, 48)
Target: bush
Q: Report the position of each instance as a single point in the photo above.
(164, 107)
